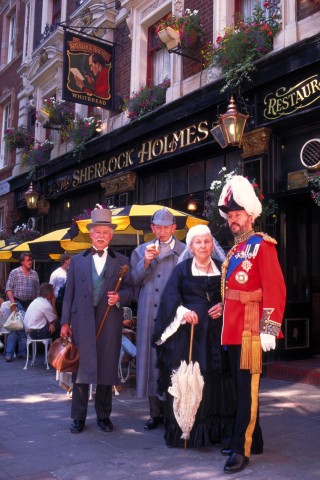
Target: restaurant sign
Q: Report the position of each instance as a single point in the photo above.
(287, 100)
(148, 151)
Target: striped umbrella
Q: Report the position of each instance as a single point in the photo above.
(136, 218)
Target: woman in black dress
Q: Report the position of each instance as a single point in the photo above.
(193, 295)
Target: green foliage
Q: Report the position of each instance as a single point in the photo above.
(314, 182)
(17, 138)
(79, 131)
(145, 100)
(212, 213)
(250, 39)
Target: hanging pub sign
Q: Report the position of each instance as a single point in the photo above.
(88, 71)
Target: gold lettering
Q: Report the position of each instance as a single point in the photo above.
(112, 164)
(76, 178)
(191, 132)
(314, 84)
(178, 139)
(129, 160)
(157, 147)
(123, 163)
(203, 128)
(145, 151)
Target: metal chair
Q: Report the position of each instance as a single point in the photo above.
(30, 341)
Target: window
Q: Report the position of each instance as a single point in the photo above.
(11, 39)
(305, 8)
(245, 7)
(6, 118)
(26, 31)
(158, 67)
(56, 12)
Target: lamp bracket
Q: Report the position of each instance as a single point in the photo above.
(178, 51)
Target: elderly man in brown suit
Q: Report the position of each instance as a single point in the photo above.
(90, 288)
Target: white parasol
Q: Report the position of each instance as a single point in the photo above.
(186, 388)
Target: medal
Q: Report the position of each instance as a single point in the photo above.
(246, 265)
(241, 277)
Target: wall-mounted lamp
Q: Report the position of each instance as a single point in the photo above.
(192, 204)
(99, 126)
(230, 126)
(31, 197)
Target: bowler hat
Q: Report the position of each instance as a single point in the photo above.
(163, 217)
(101, 217)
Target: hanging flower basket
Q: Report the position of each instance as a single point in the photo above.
(169, 37)
(188, 26)
(17, 138)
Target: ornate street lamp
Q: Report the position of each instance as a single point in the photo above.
(31, 197)
(230, 127)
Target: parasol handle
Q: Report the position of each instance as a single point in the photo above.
(191, 342)
(123, 270)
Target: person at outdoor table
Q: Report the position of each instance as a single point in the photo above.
(90, 290)
(23, 283)
(58, 279)
(22, 287)
(152, 264)
(254, 300)
(41, 315)
(193, 296)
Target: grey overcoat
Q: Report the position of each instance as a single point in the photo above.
(98, 358)
(151, 283)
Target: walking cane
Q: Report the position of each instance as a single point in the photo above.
(123, 270)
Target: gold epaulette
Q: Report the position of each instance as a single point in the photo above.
(266, 237)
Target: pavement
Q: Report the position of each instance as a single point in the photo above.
(36, 444)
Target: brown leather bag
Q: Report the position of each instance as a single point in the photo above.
(64, 355)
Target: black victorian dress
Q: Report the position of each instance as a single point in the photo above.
(215, 416)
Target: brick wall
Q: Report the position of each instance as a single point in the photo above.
(122, 63)
(205, 8)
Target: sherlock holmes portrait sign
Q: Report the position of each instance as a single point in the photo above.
(88, 71)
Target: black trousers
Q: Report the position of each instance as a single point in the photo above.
(156, 407)
(80, 398)
(247, 432)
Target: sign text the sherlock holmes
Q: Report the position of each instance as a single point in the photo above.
(143, 153)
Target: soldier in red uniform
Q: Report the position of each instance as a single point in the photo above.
(254, 300)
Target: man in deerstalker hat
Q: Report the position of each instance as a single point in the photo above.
(152, 264)
(92, 277)
(254, 300)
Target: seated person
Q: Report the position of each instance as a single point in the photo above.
(4, 315)
(127, 345)
(41, 315)
(14, 338)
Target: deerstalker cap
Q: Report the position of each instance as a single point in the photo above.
(163, 217)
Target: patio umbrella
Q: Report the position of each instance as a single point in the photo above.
(12, 252)
(186, 388)
(137, 217)
(58, 242)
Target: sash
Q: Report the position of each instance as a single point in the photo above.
(248, 250)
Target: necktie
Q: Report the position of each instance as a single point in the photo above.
(99, 252)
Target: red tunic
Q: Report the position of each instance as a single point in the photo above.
(265, 273)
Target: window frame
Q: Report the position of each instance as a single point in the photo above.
(6, 123)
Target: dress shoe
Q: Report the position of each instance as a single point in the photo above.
(8, 358)
(235, 463)
(77, 426)
(153, 422)
(254, 451)
(226, 451)
(105, 424)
